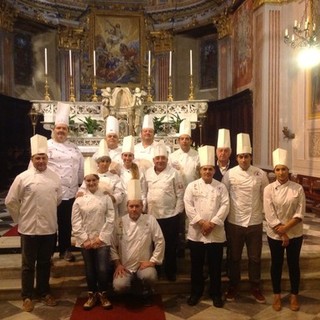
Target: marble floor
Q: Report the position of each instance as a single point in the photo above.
(175, 306)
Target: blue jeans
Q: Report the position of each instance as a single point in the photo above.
(97, 265)
(36, 253)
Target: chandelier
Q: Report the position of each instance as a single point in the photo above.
(305, 33)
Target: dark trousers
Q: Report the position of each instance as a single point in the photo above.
(64, 225)
(237, 237)
(200, 251)
(97, 265)
(36, 254)
(170, 230)
(277, 257)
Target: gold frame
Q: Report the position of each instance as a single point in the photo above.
(118, 39)
(313, 92)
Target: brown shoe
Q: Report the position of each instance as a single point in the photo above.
(49, 300)
(294, 304)
(276, 302)
(258, 295)
(231, 294)
(27, 305)
(105, 303)
(91, 302)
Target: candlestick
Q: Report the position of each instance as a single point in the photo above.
(149, 96)
(170, 97)
(191, 92)
(149, 63)
(46, 87)
(71, 96)
(94, 88)
(45, 61)
(170, 63)
(190, 62)
(70, 62)
(94, 63)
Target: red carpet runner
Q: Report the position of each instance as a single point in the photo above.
(13, 232)
(124, 308)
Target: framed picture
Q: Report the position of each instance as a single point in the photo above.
(208, 63)
(313, 87)
(117, 40)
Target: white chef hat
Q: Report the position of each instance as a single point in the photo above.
(128, 144)
(148, 122)
(206, 155)
(112, 125)
(160, 149)
(90, 166)
(38, 144)
(280, 157)
(243, 143)
(134, 190)
(185, 128)
(102, 150)
(62, 115)
(223, 138)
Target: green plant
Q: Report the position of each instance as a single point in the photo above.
(175, 121)
(158, 123)
(71, 120)
(90, 124)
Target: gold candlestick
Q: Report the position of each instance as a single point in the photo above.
(94, 88)
(191, 88)
(170, 97)
(149, 96)
(71, 97)
(46, 88)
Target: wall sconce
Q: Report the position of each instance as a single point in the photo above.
(287, 133)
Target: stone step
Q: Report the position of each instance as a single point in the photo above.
(69, 277)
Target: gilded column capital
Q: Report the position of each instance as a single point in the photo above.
(162, 41)
(7, 16)
(70, 38)
(259, 3)
(223, 25)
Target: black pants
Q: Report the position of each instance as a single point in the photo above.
(36, 253)
(170, 230)
(293, 257)
(64, 225)
(200, 251)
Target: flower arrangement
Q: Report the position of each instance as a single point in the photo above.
(90, 124)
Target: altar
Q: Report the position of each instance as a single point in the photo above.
(129, 107)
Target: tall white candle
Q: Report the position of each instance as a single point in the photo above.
(70, 62)
(149, 63)
(170, 63)
(45, 61)
(94, 63)
(190, 62)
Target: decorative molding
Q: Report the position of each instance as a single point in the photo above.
(7, 16)
(314, 144)
(162, 41)
(70, 38)
(223, 25)
(259, 3)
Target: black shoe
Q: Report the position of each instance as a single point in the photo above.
(172, 277)
(193, 300)
(67, 256)
(217, 302)
(147, 300)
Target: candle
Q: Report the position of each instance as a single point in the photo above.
(190, 62)
(149, 63)
(295, 23)
(286, 33)
(45, 61)
(170, 63)
(70, 62)
(94, 63)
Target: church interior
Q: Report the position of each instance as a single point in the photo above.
(234, 64)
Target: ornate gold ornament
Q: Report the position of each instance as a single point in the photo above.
(70, 38)
(7, 16)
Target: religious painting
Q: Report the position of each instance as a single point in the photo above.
(208, 63)
(243, 55)
(313, 87)
(23, 59)
(117, 41)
